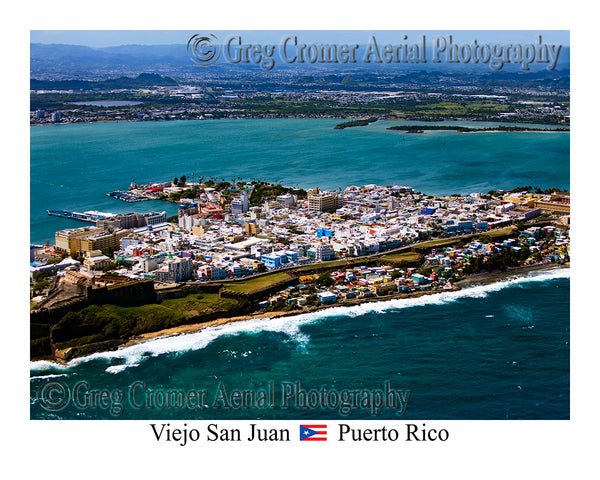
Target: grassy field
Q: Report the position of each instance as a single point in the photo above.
(199, 304)
(437, 243)
(462, 108)
(498, 233)
(352, 262)
(254, 284)
(408, 257)
(107, 322)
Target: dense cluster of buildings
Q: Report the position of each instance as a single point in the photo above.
(215, 239)
(542, 245)
(183, 102)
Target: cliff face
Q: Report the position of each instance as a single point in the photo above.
(64, 298)
(127, 295)
(102, 318)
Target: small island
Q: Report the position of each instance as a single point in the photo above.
(355, 123)
(461, 129)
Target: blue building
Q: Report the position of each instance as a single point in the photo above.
(327, 297)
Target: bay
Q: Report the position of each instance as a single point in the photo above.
(74, 166)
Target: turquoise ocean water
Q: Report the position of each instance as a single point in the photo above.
(74, 166)
(489, 352)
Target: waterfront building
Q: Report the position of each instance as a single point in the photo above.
(125, 220)
(558, 203)
(523, 198)
(131, 220)
(327, 297)
(323, 202)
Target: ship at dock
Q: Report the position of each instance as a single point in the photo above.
(90, 216)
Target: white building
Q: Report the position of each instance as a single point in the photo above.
(240, 205)
(148, 264)
(154, 218)
(287, 200)
(176, 270)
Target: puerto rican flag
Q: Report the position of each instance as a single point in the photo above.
(313, 433)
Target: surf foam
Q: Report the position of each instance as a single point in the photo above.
(133, 355)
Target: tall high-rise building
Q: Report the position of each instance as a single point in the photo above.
(240, 205)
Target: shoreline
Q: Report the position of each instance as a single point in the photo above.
(483, 278)
(484, 130)
(559, 127)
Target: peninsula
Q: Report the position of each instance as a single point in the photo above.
(238, 250)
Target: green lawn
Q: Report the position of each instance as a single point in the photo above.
(115, 322)
(503, 231)
(437, 243)
(259, 283)
(409, 257)
(202, 303)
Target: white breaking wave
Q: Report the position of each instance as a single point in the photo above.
(133, 355)
(44, 377)
(44, 365)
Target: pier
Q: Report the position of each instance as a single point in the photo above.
(90, 216)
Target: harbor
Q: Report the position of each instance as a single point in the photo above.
(127, 196)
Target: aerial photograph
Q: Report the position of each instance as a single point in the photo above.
(299, 225)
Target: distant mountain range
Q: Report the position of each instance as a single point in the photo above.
(141, 81)
(80, 62)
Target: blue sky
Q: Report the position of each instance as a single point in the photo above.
(107, 38)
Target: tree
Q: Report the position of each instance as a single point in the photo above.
(325, 279)
(312, 300)
(175, 181)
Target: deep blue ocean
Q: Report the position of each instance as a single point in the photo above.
(497, 351)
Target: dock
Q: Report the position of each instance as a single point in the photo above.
(90, 216)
